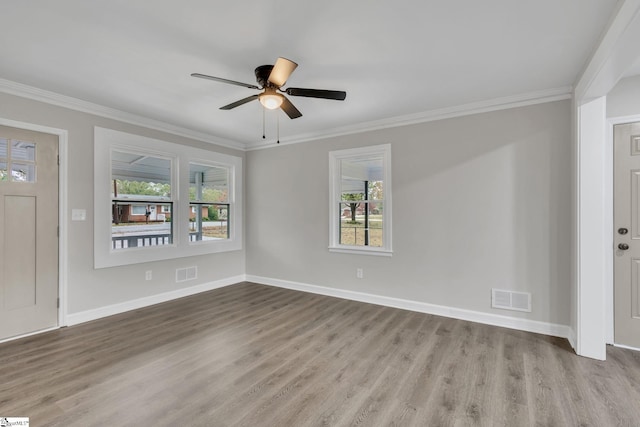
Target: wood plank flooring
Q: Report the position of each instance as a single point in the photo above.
(253, 355)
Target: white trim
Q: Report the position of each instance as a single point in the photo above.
(63, 143)
(496, 104)
(110, 310)
(107, 139)
(502, 103)
(626, 347)
(24, 91)
(591, 230)
(609, 235)
(556, 330)
(17, 337)
(335, 186)
(572, 338)
(360, 251)
(616, 52)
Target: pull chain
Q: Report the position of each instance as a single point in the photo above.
(278, 129)
(263, 137)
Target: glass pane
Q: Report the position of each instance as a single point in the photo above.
(361, 224)
(3, 148)
(358, 174)
(361, 195)
(208, 183)
(376, 190)
(137, 176)
(4, 175)
(136, 225)
(23, 172)
(208, 222)
(138, 210)
(23, 150)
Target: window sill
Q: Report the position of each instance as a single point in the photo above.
(360, 251)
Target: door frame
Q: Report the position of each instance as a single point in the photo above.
(63, 140)
(609, 278)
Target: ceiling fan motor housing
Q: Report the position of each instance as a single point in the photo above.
(262, 75)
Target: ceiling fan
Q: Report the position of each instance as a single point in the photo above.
(270, 79)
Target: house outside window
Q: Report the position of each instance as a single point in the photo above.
(360, 205)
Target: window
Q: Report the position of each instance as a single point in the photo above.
(141, 180)
(139, 213)
(360, 205)
(17, 160)
(138, 210)
(209, 198)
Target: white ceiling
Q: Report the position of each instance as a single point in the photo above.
(394, 59)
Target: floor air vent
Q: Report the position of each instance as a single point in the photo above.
(510, 300)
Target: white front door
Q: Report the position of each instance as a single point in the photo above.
(627, 234)
(28, 231)
(152, 213)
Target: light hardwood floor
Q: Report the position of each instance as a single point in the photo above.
(255, 355)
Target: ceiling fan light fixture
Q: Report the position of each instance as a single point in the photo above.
(270, 100)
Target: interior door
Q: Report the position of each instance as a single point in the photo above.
(627, 234)
(28, 231)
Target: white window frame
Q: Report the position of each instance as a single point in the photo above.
(335, 187)
(108, 140)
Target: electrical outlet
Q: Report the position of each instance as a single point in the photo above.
(148, 275)
(359, 273)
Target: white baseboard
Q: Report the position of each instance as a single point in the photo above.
(626, 347)
(535, 326)
(110, 310)
(17, 337)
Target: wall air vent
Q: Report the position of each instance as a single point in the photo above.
(510, 300)
(184, 274)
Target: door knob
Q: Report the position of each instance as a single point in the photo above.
(623, 231)
(623, 246)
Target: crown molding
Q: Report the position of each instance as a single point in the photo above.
(36, 94)
(503, 103)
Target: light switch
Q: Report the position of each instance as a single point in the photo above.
(78, 214)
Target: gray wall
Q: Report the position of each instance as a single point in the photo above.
(624, 98)
(88, 288)
(478, 202)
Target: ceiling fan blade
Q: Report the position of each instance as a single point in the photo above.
(338, 95)
(281, 71)
(239, 103)
(221, 80)
(290, 109)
